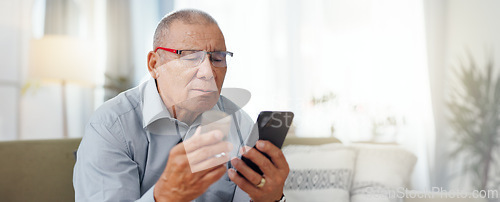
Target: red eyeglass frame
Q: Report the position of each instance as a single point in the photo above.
(169, 50)
(180, 51)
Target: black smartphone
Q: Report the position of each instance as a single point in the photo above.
(273, 127)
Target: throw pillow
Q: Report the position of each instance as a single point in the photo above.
(381, 172)
(319, 173)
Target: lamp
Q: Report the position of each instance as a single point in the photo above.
(62, 59)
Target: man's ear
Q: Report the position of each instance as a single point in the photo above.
(153, 58)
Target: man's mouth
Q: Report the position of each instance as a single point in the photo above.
(204, 90)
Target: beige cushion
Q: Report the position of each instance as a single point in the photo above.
(309, 141)
(319, 173)
(381, 171)
(37, 170)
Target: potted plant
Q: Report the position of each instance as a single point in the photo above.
(474, 107)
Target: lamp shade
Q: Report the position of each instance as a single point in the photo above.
(62, 58)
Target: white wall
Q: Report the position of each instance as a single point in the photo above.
(472, 26)
(11, 33)
(453, 28)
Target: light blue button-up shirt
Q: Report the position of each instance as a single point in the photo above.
(127, 143)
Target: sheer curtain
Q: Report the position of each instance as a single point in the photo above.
(122, 31)
(356, 70)
(119, 48)
(129, 30)
(40, 105)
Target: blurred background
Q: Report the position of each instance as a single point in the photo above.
(418, 73)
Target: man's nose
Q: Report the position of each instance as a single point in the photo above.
(205, 69)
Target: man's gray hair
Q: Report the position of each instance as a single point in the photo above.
(188, 16)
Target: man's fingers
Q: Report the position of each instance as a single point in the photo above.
(210, 151)
(265, 165)
(277, 156)
(200, 140)
(209, 163)
(246, 171)
(213, 175)
(244, 184)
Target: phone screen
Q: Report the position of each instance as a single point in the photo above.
(272, 126)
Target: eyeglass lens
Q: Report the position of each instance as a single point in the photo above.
(195, 58)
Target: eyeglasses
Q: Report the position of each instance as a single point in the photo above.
(193, 58)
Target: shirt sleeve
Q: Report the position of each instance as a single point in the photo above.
(105, 170)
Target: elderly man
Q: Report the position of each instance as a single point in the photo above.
(146, 143)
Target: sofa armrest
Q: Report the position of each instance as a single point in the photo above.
(37, 170)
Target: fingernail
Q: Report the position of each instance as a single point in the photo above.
(234, 161)
(260, 144)
(230, 172)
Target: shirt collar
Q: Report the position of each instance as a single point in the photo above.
(154, 108)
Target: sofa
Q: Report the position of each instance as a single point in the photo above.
(322, 169)
(37, 170)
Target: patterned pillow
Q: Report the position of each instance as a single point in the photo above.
(319, 173)
(382, 171)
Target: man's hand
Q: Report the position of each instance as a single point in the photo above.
(275, 172)
(192, 167)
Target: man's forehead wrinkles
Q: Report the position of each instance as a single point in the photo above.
(195, 37)
(198, 43)
(191, 34)
(199, 35)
